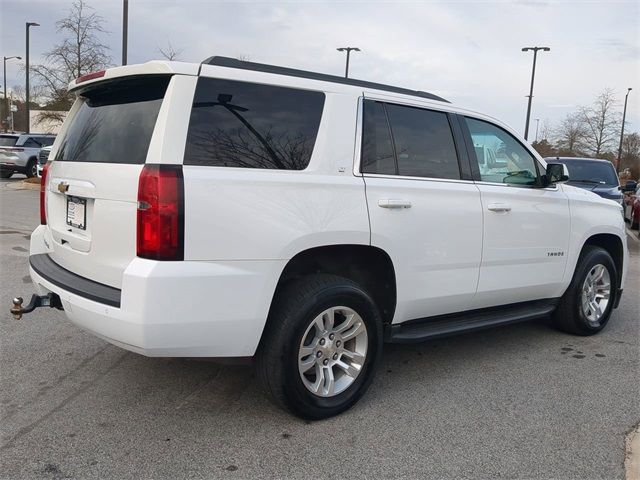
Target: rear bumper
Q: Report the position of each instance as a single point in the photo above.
(168, 309)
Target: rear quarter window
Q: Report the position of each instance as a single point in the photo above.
(8, 140)
(247, 125)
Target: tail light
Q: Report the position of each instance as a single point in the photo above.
(43, 194)
(160, 217)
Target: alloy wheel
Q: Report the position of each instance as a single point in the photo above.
(332, 351)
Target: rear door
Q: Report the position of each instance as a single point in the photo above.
(526, 227)
(92, 183)
(424, 209)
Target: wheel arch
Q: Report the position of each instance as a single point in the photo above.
(613, 245)
(366, 265)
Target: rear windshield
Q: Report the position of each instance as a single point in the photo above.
(248, 125)
(114, 122)
(590, 172)
(8, 141)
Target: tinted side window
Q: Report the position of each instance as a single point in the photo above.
(32, 143)
(377, 147)
(501, 158)
(424, 142)
(238, 124)
(46, 141)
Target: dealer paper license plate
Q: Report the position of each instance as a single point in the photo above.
(77, 212)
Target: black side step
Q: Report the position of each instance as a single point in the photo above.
(455, 323)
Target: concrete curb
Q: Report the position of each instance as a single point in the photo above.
(632, 455)
(23, 185)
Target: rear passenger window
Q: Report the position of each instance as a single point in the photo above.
(238, 124)
(377, 147)
(424, 143)
(407, 141)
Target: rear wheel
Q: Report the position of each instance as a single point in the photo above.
(6, 173)
(587, 304)
(32, 168)
(321, 346)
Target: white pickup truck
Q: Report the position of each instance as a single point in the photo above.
(235, 209)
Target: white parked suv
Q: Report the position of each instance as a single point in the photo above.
(234, 209)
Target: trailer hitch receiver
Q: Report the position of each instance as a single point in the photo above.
(50, 300)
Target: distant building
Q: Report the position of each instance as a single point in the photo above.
(46, 121)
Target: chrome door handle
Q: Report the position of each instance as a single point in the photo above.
(394, 203)
(499, 207)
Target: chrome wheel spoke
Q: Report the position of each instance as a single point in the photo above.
(354, 331)
(328, 389)
(350, 370)
(354, 356)
(348, 322)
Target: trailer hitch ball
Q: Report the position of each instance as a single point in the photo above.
(50, 300)
(16, 310)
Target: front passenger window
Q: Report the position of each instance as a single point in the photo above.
(501, 158)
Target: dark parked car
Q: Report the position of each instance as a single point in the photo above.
(596, 175)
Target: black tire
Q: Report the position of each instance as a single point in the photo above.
(6, 173)
(31, 170)
(294, 308)
(569, 316)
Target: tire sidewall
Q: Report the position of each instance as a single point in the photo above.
(302, 400)
(31, 170)
(590, 260)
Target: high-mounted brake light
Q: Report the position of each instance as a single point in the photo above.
(90, 76)
(160, 217)
(43, 194)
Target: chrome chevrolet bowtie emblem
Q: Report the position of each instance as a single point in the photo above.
(63, 187)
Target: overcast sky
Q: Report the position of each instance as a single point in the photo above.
(467, 51)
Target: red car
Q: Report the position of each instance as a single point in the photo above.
(632, 208)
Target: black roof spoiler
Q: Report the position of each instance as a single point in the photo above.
(292, 72)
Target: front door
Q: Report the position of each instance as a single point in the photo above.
(526, 227)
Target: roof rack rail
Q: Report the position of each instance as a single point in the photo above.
(292, 72)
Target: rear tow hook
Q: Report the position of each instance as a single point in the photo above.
(50, 300)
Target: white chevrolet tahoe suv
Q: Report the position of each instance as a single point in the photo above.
(235, 209)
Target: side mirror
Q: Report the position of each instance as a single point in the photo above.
(556, 173)
(630, 186)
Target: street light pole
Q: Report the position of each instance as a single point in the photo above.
(6, 105)
(348, 50)
(533, 75)
(26, 71)
(624, 116)
(125, 29)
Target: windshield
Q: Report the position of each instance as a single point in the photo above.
(590, 171)
(114, 122)
(7, 140)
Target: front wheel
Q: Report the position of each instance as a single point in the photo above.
(6, 173)
(321, 347)
(587, 304)
(31, 169)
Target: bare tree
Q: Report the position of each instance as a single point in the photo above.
(630, 158)
(79, 53)
(171, 53)
(570, 132)
(601, 123)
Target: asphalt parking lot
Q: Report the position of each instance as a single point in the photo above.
(522, 401)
